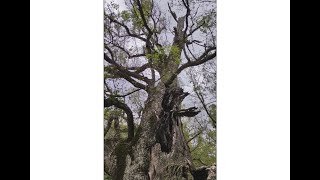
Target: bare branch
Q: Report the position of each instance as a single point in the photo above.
(190, 112)
(194, 57)
(173, 13)
(186, 4)
(195, 29)
(143, 17)
(186, 55)
(200, 97)
(202, 59)
(124, 71)
(196, 135)
(139, 69)
(126, 77)
(125, 51)
(116, 95)
(127, 29)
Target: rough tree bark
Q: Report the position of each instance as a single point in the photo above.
(158, 150)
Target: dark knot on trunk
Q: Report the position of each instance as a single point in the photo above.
(172, 98)
(170, 114)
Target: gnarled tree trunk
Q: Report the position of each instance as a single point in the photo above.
(157, 150)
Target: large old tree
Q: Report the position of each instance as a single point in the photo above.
(148, 45)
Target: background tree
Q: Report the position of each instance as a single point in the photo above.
(149, 48)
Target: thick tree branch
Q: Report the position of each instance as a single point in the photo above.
(126, 73)
(116, 95)
(127, 29)
(139, 69)
(202, 59)
(190, 112)
(119, 74)
(186, 5)
(178, 41)
(205, 56)
(118, 104)
(125, 51)
(173, 13)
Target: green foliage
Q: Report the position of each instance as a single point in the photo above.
(175, 54)
(206, 22)
(146, 8)
(203, 147)
(122, 123)
(107, 177)
(204, 150)
(156, 57)
(133, 15)
(213, 113)
(186, 132)
(125, 15)
(136, 18)
(112, 111)
(109, 72)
